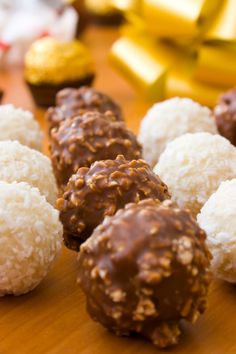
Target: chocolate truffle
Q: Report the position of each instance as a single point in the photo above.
(95, 192)
(71, 102)
(51, 65)
(89, 137)
(145, 269)
(225, 115)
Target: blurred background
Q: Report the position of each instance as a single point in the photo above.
(161, 48)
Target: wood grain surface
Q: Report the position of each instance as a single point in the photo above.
(53, 319)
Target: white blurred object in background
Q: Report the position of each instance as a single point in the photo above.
(22, 22)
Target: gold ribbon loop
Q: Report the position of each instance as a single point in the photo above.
(224, 26)
(204, 28)
(126, 5)
(139, 63)
(216, 65)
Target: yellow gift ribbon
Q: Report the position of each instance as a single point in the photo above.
(178, 18)
(126, 5)
(140, 63)
(199, 59)
(217, 56)
(99, 7)
(216, 65)
(224, 26)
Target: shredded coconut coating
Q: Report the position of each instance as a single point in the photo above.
(217, 218)
(21, 164)
(169, 119)
(17, 124)
(145, 269)
(194, 165)
(30, 237)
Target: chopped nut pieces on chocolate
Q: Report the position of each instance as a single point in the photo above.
(225, 115)
(145, 269)
(95, 192)
(70, 102)
(87, 138)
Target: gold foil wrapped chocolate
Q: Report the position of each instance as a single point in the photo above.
(193, 51)
(54, 62)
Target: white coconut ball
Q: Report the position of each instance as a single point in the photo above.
(169, 119)
(194, 165)
(18, 124)
(30, 237)
(21, 164)
(218, 219)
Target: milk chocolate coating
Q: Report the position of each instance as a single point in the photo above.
(95, 192)
(71, 102)
(90, 137)
(145, 269)
(225, 115)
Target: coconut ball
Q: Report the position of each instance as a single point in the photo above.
(30, 237)
(217, 218)
(169, 119)
(21, 164)
(17, 124)
(194, 165)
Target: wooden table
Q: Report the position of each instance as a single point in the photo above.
(53, 319)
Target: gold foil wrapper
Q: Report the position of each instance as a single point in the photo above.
(53, 62)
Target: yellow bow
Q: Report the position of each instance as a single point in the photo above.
(178, 47)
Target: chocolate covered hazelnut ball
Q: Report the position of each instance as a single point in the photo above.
(225, 115)
(87, 138)
(71, 102)
(95, 192)
(145, 269)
